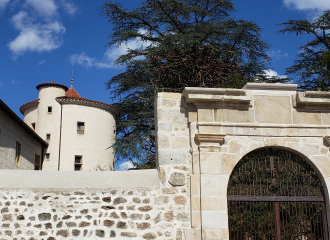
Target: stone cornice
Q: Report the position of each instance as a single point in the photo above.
(210, 138)
(228, 96)
(312, 100)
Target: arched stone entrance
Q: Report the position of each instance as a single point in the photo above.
(275, 194)
(212, 129)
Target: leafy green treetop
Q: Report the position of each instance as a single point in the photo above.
(313, 61)
(166, 25)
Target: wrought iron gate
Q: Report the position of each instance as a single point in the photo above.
(275, 194)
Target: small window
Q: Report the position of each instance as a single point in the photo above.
(48, 136)
(47, 156)
(50, 109)
(37, 162)
(77, 163)
(80, 127)
(33, 126)
(18, 154)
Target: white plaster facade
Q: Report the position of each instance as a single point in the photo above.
(13, 130)
(58, 126)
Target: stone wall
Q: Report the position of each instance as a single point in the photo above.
(201, 134)
(94, 205)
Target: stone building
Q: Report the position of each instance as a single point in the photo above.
(79, 131)
(203, 136)
(20, 146)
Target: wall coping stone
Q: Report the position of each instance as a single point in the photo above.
(270, 86)
(29, 179)
(231, 95)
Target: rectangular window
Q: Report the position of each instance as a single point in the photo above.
(77, 163)
(37, 162)
(18, 154)
(33, 126)
(50, 109)
(80, 127)
(47, 156)
(48, 136)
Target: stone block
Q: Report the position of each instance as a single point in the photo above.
(306, 117)
(211, 219)
(195, 185)
(169, 102)
(210, 185)
(163, 141)
(176, 117)
(326, 118)
(304, 148)
(169, 95)
(234, 115)
(165, 127)
(212, 234)
(235, 146)
(269, 108)
(195, 219)
(205, 115)
(228, 162)
(180, 142)
(195, 203)
(167, 156)
(211, 203)
(177, 179)
(192, 115)
(322, 164)
(210, 162)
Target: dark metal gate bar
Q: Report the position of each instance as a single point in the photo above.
(275, 194)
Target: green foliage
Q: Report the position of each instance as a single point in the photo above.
(164, 25)
(312, 65)
(195, 65)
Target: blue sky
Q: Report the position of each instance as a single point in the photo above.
(43, 40)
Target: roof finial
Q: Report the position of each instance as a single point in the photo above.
(52, 80)
(72, 79)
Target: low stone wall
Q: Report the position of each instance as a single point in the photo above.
(146, 204)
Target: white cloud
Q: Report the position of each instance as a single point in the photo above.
(44, 8)
(14, 82)
(308, 4)
(1, 84)
(39, 25)
(125, 166)
(3, 4)
(42, 62)
(277, 54)
(109, 57)
(38, 37)
(70, 8)
(82, 59)
(272, 73)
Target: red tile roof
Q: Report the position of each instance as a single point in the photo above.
(71, 93)
(71, 97)
(87, 102)
(28, 105)
(53, 85)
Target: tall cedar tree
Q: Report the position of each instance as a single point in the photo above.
(313, 61)
(165, 25)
